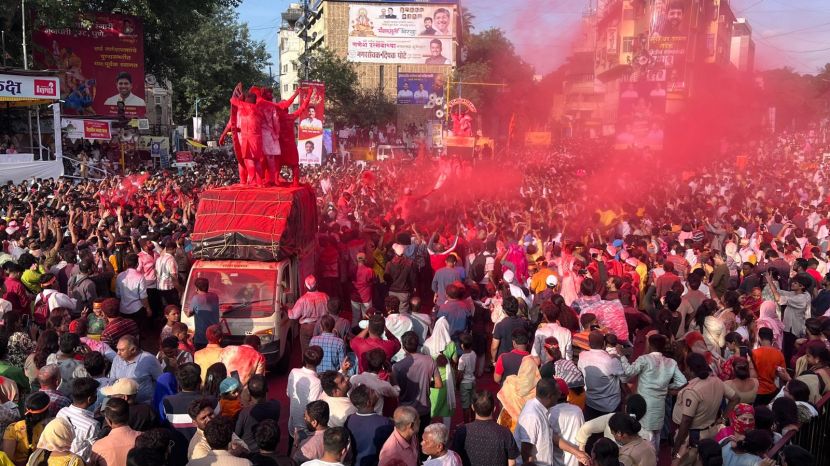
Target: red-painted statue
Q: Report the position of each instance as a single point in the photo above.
(288, 139)
(233, 127)
(272, 134)
(251, 126)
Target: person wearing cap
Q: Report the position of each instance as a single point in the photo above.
(134, 363)
(516, 289)
(52, 297)
(112, 450)
(539, 281)
(229, 404)
(308, 310)
(143, 417)
(84, 425)
(363, 284)
(551, 283)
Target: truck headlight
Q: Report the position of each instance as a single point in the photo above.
(266, 336)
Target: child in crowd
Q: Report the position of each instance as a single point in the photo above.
(229, 404)
(466, 375)
(96, 320)
(172, 313)
(185, 338)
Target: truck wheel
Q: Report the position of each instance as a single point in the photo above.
(283, 365)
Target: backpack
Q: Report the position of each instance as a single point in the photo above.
(76, 293)
(40, 311)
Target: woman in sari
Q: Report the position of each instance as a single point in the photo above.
(517, 390)
(442, 349)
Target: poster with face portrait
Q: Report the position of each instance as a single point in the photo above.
(668, 38)
(101, 58)
(310, 132)
(412, 34)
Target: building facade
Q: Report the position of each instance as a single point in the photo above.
(742, 54)
(159, 99)
(291, 46)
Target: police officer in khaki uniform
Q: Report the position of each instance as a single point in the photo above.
(697, 410)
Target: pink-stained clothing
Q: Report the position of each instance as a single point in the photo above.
(147, 267)
(310, 307)
(610, 314)
(17, 295)
(270, 123)
(243, 359)
(362, 284)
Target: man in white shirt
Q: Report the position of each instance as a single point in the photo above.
(405, 94)
(434, 444)
(85, 427)
(131, 289)
(311, 123)
(167, 274)
(375, 359)
(124, 84)
(303, 387)
(336, 388)
(550, 328)
(534, 432)
(53, 297)
(566, 419)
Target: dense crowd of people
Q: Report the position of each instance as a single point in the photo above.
(541, 309)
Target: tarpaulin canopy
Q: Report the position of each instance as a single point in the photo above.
(248, 223)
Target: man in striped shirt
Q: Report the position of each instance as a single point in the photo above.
(85, 427)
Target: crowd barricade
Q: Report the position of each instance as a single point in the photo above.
(812, 436)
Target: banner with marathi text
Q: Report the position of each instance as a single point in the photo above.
(413, 34)
(310, 132)
(101, 59)
(76, 128)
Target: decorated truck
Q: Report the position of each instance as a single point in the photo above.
(254, 246)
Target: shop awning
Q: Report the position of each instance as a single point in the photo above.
(26, 89)
(195, 143)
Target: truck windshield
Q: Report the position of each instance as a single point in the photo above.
(242, 293)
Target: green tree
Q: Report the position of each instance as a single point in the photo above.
(346, 102)
(165, 23)
(220, 53)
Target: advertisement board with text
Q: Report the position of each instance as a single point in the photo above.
(101, 57)
(310, 131)
(405, 34)
(667, 42)
(415, 88)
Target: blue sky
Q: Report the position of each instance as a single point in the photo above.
(793, 33)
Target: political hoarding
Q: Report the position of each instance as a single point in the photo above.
(16, 87)
(406, 34)
(310, 133)
(415, 88)
(101, 59)
(641, 115)
(668, 39)
(75, 128)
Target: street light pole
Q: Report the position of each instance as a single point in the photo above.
(197, 123)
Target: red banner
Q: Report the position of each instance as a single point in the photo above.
(97, 130)
(184, 156)
(102, 59)
(310, 133)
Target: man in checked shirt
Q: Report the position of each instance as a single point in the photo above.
(308, 310)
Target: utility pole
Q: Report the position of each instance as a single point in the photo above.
(23, 20)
